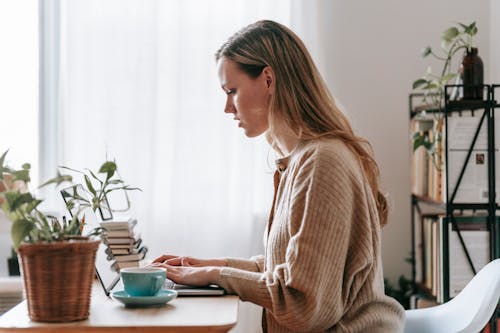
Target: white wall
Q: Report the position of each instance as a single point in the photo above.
(495, 41)
(369, 54)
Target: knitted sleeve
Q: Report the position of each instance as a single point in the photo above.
(254, 264)
(310, 290)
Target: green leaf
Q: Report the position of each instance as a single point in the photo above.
(425, 51)
(431, 86)
(2, 160)
(32, 205)
(421, 139)
(429, 146)
(129, 188)
(70, 169)
(79, 198)
(473, 31)
(56, 226)
(94, 176)
(11, 197)
(418, 83)
(58, 180)
(448, 77)
(23, 175)
(95, 232)
(417, 142)
(108, 168)
(20, 230)
(449, 34)
(70, 204)
(89, 185)
(72, 193)
(24, 198)
(26, 166)
(470, 29)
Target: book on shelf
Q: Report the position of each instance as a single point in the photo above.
(461, 130)
(421, 301)
(131, 256)
(119, 240)
(121, 224)
(473, 230)
(417, 246)
(117, 265)
(118, 251)
(116, 233)
(426, 169)
(421, 125)
(433, 231)
(129, 247)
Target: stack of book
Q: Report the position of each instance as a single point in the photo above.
(123, 245)
(429, 252)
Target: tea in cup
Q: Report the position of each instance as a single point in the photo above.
(143, 281)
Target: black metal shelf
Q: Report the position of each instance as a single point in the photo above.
(450, 208)
(466, 105)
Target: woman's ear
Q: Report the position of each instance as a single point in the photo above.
(269, 77)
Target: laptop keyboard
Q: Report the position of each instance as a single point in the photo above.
(169, 284)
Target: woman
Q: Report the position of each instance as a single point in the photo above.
(322, 268)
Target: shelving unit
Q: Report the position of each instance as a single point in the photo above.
(449, 209)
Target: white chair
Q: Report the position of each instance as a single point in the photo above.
(468, 312)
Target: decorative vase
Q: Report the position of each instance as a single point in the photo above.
(471, 72)
(58, 279)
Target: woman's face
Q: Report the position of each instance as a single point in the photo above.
(247, 98)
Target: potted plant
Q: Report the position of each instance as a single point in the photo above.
(454, 40)
(57, 261)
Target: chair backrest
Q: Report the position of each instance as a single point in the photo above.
(468, 312)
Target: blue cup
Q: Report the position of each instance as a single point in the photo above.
(143, 281)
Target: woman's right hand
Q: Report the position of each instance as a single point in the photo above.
(174, 260)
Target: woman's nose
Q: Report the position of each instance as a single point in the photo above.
(229, 107)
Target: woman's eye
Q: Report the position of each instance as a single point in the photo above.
(230, 91)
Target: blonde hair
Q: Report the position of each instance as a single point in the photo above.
(301, 100)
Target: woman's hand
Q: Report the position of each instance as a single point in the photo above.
(173, 260)
(193, 276)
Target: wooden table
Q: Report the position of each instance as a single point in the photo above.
(183, 314)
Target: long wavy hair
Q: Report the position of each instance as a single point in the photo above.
(301, 100)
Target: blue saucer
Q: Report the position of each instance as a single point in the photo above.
(163, 296)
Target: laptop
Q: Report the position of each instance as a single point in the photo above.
(183, 290)
(109, 278)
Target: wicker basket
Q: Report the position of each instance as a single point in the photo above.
(58, 279)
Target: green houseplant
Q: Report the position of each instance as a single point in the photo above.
(57, 261)
(454, 41)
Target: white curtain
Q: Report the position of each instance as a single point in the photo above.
(137, 82)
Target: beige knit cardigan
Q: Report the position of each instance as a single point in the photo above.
(322, 268)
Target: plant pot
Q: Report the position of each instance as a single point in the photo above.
(58, 279)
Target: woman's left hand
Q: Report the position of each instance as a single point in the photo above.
(193, 276)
